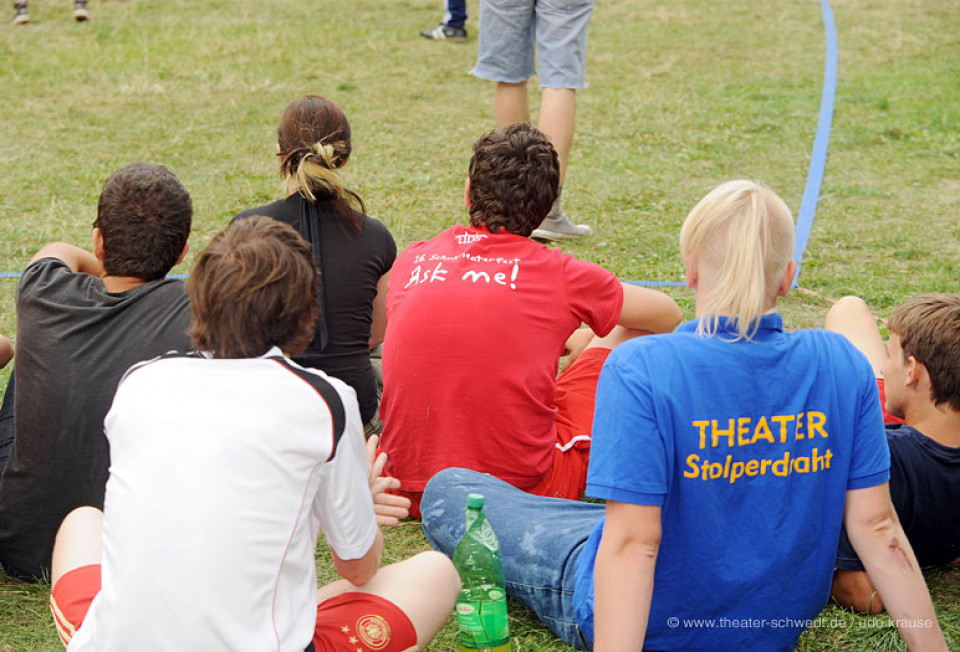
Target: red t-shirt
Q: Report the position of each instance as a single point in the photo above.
(477, 322)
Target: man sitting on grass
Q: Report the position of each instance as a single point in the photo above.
(82, 320)
(918, 372)
(224, 465)
(477, 319)
(728, 454)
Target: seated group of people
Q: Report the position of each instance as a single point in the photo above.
(177, 498)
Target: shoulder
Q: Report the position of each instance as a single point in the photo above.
(278, 210)
(45, 267)
(376, 232)
(51, 275)
(574, 266)
(169, 290)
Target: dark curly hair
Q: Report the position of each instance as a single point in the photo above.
(144, 215)
(514, 179)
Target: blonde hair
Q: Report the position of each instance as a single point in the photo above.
(740, 238)
(317, 168)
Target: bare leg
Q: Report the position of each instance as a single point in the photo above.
(854, 590)
(557, 113)
(850, 316)
(558, 108)
(425, 587)
(510, 103)
(79, 542)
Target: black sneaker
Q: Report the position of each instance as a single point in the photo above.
(20, 15)
(80, 11)
(445, 33)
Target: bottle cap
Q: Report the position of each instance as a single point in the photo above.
(475, 501)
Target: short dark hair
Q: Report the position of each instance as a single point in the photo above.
(929, 330)
(144, 214)
(514, 179)
(253, 287)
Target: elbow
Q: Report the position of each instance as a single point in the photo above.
(675, 317)
(882, 540)
(360, 576)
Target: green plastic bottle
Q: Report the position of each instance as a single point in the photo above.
(482, 604)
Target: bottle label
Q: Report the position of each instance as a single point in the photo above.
(483, 623)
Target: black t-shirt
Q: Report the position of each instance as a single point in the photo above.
(925, 490)
(74, 342)
(351, 263)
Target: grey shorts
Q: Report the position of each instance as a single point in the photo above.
(511, 29)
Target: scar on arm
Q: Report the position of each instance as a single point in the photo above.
(899, 554)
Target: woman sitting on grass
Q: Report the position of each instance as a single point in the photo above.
(353, 252)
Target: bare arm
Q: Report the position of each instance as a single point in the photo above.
(883, 548)
(360, 571)
(648, 310)
(626, 560)
(77, 259)
(379, 325)
(6, 351)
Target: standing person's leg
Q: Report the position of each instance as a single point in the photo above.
(424, 588)
(505, 54)
(75, 570)
(561, 36)
(510, 103)
(455, 13)
(558, 108)
(80, 11)
(540, 540)
(20, 14)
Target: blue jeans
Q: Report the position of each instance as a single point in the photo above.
(455, 13)
(540, 540)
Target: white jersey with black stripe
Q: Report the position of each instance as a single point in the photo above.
(222, 472)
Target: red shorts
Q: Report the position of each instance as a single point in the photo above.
(575, 399)
(355, 621)
(344, 623)
(71, 597)
(887, 417)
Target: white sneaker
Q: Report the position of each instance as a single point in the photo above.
(20, 15)
(80, 11)
(556, 226)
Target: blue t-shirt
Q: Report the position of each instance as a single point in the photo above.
(750, 448)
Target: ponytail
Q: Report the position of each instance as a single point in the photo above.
(317, 178)
(315, 142)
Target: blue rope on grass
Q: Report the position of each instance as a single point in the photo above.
(818, 159)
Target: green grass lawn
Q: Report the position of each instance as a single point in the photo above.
(683, 95)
